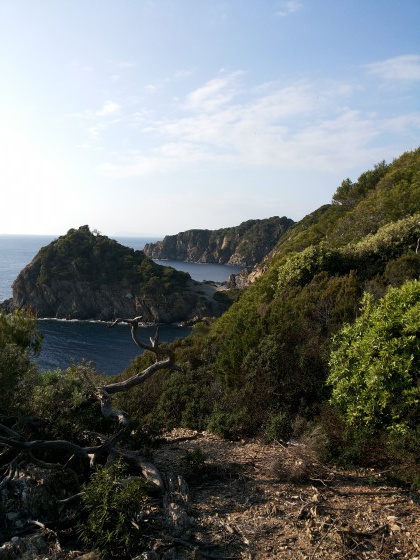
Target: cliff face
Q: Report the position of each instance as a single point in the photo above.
(243, 245)
(87, 276)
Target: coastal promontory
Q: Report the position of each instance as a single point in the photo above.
(244, 245)
(85, 275)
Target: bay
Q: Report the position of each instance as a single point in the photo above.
(110, 350)
(68, 342)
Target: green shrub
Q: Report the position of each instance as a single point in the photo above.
(114, 505)
(227, 425)
(68, 390)
(375, 363)
(19, 341)
(279, 427)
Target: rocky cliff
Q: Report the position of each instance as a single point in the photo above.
(243, 245)
(83, 275)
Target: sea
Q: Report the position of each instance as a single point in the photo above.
(73, 342)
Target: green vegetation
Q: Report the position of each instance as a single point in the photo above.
(113, 502)
(262, 367)
(375, 363)
(325, 345)
(19, 340)
(84, 256)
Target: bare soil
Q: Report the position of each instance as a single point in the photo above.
(248, 500)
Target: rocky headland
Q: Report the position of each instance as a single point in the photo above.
(84, 275)
(244, 245)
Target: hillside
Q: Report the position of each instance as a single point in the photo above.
(383, 195)
(243, 245)
(262, 368)
(85, 275)
(286, 428)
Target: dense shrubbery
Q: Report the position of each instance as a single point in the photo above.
(68, 390)
(262, 367)
(86, 256)
(113, 503)
(375, 363)
(19, 341)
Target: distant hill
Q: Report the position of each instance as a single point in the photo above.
(243, 245)
(84, 275)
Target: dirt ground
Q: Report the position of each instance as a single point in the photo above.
(248, 500)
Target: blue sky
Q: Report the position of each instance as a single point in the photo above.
(150, 117)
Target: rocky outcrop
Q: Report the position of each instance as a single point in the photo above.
(243, 245)
(86, 276)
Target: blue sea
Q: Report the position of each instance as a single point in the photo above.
(67, 342)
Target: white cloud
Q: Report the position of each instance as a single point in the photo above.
(288, 7)
(109, 108)
(404, 68)
(151, 88)
(294, 126)
(214, 94)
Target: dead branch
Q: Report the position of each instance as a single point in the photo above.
(10, 432)
(148, 470)
(166, 363)
(154, 342)
(106, 408)
(61, 445)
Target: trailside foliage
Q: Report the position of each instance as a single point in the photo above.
(19, 341)
(375, 363)
(114, 503)
(262, 366)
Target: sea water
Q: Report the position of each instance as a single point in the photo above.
(68, 342)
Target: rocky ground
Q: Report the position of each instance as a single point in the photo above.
(255, 501)
(247, 500)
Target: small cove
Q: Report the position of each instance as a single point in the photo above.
(68, 342)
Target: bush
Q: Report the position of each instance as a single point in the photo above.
(19, 340)
(279, 427)
(375, 364)
(227, 425)
(114, 505)
(68, 390)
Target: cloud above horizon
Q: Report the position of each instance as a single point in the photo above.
(404, 68)
(288, 7)
(297, 125)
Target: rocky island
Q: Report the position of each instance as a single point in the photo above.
(86, 275)
(244, 245)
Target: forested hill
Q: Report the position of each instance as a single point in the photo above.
(268, 366)
(243, 245)
(383, 195)
(86, 275)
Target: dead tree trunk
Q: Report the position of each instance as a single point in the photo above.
(164, 357)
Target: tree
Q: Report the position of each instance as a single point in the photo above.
(19, 339)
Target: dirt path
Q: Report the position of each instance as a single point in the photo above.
(255, 501)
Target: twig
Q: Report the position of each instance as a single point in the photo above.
(330, 528)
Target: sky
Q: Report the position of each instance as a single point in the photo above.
(151, 117)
